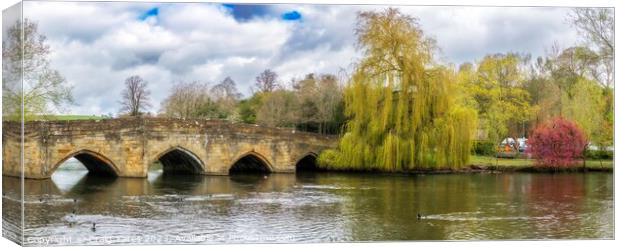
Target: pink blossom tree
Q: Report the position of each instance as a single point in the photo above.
(557, 143)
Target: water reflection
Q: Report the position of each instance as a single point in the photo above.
(316, 207)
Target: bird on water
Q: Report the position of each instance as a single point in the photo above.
(71, 219)
(419, 216)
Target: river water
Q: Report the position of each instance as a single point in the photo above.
(310, 207)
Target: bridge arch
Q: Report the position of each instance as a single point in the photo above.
(307, 162)
(96, 163)
(178, 159)
(250, 162)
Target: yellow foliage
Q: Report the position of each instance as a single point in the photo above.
(402, 108)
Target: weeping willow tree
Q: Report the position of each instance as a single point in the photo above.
(402, 108)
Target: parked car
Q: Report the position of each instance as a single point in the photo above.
(522, 144)
(509, 148)
(506, 148)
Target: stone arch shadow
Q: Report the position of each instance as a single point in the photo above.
(250, 162)
(179, 160)
(96, 163)
(307, 162)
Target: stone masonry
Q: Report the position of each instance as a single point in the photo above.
(127, 147)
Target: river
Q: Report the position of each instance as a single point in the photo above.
(310, 207)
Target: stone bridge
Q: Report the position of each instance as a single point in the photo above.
(128, 147)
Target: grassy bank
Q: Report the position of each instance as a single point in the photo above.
(528, 164)
(489, 164)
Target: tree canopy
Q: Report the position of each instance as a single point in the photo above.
(402, 115)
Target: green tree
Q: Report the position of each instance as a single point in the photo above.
(567, 79)
(402, 113)
(500, 98)
(597, 26)
(544, 94)
(248, 108)
(44, 90)
(586, 106)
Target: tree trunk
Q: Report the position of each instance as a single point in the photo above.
(583, 154)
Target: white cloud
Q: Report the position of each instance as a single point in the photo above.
(97, 45)
(467, 33)
(78, 20)
(136, 43)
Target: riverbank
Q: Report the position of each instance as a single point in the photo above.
(487, 163)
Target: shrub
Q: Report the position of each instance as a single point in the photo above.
(557, 143)
(485, 148)
(600, 154)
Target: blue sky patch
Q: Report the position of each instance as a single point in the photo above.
(150, 12)
(291, 16)
(245, 12)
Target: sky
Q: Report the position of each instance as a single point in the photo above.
(97, 45)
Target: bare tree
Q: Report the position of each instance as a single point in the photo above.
(307, 94)
(266, 81)
(318, 98)
(278, 109)
(135, 97)
(330, 95)
(597, 27)
(44, 89)
(227, 89)
(226, 97)
(189, 100)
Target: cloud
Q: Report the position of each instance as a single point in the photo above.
(468, 33)
(79, 20)
(107, 42)
(136, 43)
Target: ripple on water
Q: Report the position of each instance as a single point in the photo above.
(291, 200)
(48, 199)
(476, 216)
(322, 210)
(332, 187)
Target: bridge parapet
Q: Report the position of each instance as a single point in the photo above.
(128, 146)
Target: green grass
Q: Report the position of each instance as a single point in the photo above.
(521, 163)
